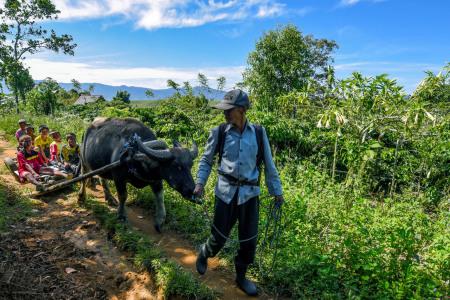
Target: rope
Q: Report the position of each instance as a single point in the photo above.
(274, 215)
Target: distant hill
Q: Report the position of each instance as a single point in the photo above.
(136, 93)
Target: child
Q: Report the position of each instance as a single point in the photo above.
(30, 132)
(31, 164)
(21, 131)
(43, 142)
(70, 154)
(55, 147)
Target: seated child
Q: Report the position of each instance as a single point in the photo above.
(31, 164)
(42, 143)
(70, 154)
(30, 132)
(21, 131)
(55, 147)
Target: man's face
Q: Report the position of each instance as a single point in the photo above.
(22, 125)
(233, 115)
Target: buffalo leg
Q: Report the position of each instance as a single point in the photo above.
(108, 196)
(160, 209)
(121, 211)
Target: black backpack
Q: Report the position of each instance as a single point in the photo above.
(259, 140)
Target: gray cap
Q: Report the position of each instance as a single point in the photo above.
(22, 121)
(232, 99)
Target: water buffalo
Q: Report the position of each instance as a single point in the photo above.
(147, 163)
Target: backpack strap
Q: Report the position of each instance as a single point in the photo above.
(260, 155)
(221, 142)
(259, 141)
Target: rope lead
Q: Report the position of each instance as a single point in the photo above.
(274, 216)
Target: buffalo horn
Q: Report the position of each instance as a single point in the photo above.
(156, 144)
(194, 150)
(158, 155)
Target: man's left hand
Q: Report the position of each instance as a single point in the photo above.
(279, 200)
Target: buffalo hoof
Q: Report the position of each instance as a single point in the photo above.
(158, 227)
(123, 219)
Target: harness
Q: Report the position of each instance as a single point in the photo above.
(259, 156)
(129, 148)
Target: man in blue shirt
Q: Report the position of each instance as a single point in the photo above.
(237, 188)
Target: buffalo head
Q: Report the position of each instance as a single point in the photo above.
(175, 163)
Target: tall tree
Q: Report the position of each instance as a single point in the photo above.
(44, 97)
(123, 96)
(76, 85)
(20, 17)
(283, 61)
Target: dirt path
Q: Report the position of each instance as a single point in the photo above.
(63, 253)
(98, 260)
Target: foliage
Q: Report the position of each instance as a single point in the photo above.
(194, 104)
(123, 96)
(282, 62)
(43, 98)
(19, 19)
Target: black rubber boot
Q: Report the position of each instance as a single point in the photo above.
(202, 260)
(249, 287)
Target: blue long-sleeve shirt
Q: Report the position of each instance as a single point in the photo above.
(238, 161)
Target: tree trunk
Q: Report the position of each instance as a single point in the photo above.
(17, 100)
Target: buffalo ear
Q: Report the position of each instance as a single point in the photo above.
(176, 143)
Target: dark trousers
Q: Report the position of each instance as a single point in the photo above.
(225, 216)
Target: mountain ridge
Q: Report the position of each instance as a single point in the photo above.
(136, 93)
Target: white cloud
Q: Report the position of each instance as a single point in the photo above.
(155, 78)
(349, 2)
(352, 2)
(154, 14)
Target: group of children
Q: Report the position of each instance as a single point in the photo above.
(37, 153)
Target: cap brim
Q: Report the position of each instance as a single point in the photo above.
(223, 106)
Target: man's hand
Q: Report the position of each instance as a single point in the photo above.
(199, 190)
(279, 200)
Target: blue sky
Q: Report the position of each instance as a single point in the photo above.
(145, 42)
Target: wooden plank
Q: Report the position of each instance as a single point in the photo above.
(77, 179)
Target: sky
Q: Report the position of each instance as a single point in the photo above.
(146, 42)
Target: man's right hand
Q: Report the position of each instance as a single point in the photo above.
(199, 190)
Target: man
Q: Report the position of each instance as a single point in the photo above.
(237, 188)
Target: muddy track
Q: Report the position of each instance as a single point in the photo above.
(176, 248)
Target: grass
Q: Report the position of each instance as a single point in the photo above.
(145, 103)
(170, 278)
(13, 206)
